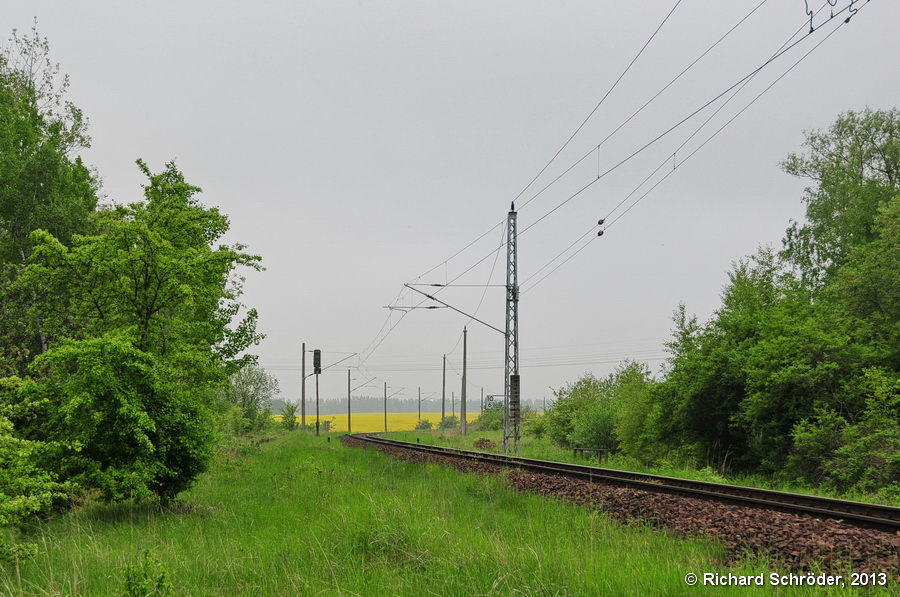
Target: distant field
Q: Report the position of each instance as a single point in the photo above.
(370, 422)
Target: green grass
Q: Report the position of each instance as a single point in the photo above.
(543, 449)
(305, 516)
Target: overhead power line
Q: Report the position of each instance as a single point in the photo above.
(390, 324)
(737, 88)
(600, 103)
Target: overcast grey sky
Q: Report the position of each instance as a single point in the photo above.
(358, 145)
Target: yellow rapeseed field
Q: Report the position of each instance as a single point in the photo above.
(371, 422)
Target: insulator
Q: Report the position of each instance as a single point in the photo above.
(600, 233)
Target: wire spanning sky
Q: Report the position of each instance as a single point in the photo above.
(358, 146)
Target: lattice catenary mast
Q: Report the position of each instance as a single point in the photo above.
(511, 410)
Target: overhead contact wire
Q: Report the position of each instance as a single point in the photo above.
(600, 103)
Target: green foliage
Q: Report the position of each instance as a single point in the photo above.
(450, 422)
(784, 376)
(251, 391)
(151, 268)
(137, 317)
(855, 165)
(853, 457)
(595, 427)
(43, 186)
(489, 420)
(424, 425)
(232, 421)
(117, 419)
(768, 358)
(27, 491)
(147, 578)
(535, 426)
(289, 415)
(571, 402)
(586, 413)
(43, 183)
(631, 384)
(867, 288)
(814, 439)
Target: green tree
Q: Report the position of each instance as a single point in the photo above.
(855, 167)
(868, 287)
(139, 318)
(585, 413)
(571, 403)
(633, 384)
(115, 419)
(27, 490)
(490, 420)
(251, 390)
(151, 268)
(854, 456)
(289, 415)
(43, 182)
(777, 374)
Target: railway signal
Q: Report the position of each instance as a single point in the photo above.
(317, 369)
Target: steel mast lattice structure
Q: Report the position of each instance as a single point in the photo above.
(511, 411)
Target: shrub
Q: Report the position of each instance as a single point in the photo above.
(147, 579)
(118, 419)
(490, 420)
(26, 491)
(289, 416)
(535, 426)
(424, 425)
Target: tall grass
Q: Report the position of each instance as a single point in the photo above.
(307, 516)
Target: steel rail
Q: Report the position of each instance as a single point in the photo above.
(857, 513)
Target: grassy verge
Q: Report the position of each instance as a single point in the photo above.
(543, 449)
(307, 516)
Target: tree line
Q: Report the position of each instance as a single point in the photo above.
(797, 373)
(122, 334)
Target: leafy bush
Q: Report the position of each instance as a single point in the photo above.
(26, 491)
(853, 457)
(572, 405)
(289, 415)
(489, 420)
(535, 426)
(233, 422)
(118, 419)
(595, 427)
(251, 390)
(424, 425)
(450, 422)
(147, 579)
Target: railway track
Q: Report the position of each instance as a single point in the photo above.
(885, 518)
